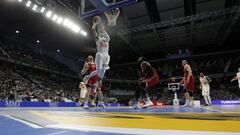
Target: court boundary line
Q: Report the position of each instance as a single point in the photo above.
(58, 133)
(33, 125)
(211, 109)
(134, 131)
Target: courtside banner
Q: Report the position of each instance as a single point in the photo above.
(2, 104)
(226, 102)
(44, 104)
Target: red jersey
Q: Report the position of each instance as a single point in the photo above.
(150, 75)
(88, 68)
(94, 79)
(185, 72)
(91, 67)
(147, 70)
(191, 84)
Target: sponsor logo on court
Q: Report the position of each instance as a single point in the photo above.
(53, 104)
(44, 104)
(231, 102)
(78, 104)
(12, 104)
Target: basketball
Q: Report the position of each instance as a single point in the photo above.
(96, 19)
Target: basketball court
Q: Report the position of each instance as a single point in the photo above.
(168, 120)
(125, 120)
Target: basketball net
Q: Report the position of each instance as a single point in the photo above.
(112, 16)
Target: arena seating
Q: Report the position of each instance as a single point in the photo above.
(58, 83)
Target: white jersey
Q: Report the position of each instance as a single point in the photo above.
(204, 83)
(83, 90)
(238, 76)
(102, 45)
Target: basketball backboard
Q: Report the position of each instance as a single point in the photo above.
(173, 86)
(95, 7)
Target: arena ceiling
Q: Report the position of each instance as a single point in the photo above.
(152, 28)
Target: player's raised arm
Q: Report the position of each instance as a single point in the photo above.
(94, 32)
(85, 69)
(96, 21)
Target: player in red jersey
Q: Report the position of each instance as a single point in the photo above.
(188, 82)
(148, 79)
(92, 83)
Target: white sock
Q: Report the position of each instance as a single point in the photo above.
(206, 99)
(209, 99)
(186, 102)
(148, 100)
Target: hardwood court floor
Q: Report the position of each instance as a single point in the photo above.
(125, 120)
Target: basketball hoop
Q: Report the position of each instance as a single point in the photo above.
(112, 16)
(173, 86)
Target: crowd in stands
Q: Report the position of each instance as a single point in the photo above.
(215, 94)
(210, 64)
(22, 83)
(221, 67)
(27, 56)
(25, 83)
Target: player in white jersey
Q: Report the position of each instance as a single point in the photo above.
(237, 77)
(205, 87)
(102, 57)
(83, 90)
